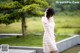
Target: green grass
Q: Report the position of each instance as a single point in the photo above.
(29, 40)
(64, 25)
(67, 24)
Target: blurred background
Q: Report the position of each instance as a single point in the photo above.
(24, 17)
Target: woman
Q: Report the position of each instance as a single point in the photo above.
(49, 44)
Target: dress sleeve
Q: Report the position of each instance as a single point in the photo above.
(44, 20)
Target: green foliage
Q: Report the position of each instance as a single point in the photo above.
(10, 12)
(11, 5)
(5, 0)
(20, 1)
(9, 18)
(70, 7)
(40, 2)
(30, 9)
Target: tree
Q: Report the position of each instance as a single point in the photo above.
(16, 9)
(65, 6)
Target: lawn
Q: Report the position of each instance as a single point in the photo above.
(29, 40)
(64, 27)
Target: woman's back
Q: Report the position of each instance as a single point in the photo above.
(48, 23)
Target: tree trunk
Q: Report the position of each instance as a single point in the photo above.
(23, 24)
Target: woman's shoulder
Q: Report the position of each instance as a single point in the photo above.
(44, 19)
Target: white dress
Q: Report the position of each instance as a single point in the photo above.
(49, 43)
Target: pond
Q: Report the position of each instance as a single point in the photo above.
(75, 49)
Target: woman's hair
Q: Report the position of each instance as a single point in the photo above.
(49, 12)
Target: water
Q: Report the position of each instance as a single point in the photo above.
(75, 49)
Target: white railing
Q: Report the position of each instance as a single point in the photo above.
(68, 43)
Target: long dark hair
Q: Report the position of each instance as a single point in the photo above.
(50, 12)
